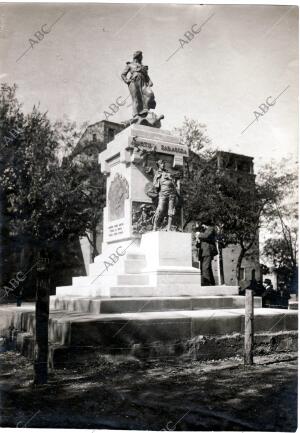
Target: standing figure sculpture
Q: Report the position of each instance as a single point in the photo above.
(166, 187)
(139, 85)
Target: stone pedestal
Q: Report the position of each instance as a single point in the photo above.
(167, 249)
(136, 262)
(169, 262)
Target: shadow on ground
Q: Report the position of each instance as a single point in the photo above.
(127, 393)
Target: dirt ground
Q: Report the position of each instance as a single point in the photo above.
(167, 395)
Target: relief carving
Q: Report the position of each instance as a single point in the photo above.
(117, 194)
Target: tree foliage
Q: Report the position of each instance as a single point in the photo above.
(47, 194)
(193, 134)
(280, 249)
(236, 202)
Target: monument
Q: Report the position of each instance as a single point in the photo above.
(142, 294)
(145, 252)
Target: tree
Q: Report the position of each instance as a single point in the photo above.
(45, 197)
(281, 224)
(193, 134)
(85, 159)
(277, 252)
(236, 205)
(11, 120)
(233, 207)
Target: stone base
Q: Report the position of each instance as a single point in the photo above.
(293, 302)
(144, 291)
(293, 305)
(135, 326)
(194, 349)
(146, 304)
(159, 265)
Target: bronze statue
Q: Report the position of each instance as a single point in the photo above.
(167, 188)
(139, 84)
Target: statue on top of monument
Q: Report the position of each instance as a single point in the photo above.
(135, 75)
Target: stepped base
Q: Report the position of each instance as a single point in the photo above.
(293, 305)
(147, 304)
(114, 331)
(142, 291)
(160, 266)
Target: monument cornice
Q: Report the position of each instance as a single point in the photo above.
(159, 146)
(135, 138)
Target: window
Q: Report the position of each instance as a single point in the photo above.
(242, 275)
(94, 137)
(111, 134)
(243, 165)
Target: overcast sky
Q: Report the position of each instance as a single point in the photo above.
(242, 55)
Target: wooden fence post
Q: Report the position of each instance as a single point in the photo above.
(41, 321)
(249, 315)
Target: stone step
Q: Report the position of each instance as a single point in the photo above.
(124, 330)
(136, 256)
(132, 290)
(132, 279)
(134, 266)
(82, 288)
(83, 281)
(88, 290)
(147, 304)
(129, 265)
(171, 291)
(293, 305)
(127, 329)
(125, 291)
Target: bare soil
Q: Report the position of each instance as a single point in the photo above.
(125, 393)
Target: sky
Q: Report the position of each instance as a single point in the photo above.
(242, 57)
